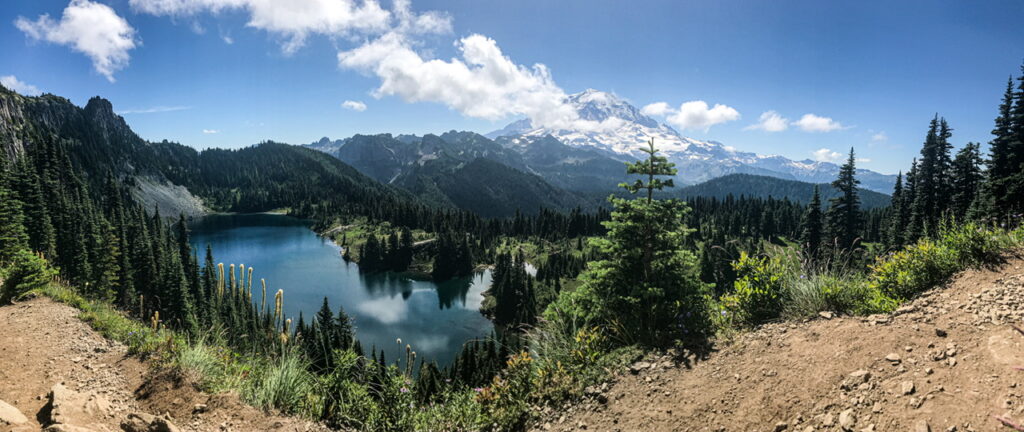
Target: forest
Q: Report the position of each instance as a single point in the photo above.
(649, 272)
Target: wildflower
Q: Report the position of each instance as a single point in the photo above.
(404, 390)
(803, 276)
(478, 389)
(724, 313)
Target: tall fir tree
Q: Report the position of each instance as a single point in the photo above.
(647, 289)
(812, 227)
(966, 181)
(13, 237)
(897, 222)
(843, 219)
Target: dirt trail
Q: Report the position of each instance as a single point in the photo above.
(63, 376)
(941, 363)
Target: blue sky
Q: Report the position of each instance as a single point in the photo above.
(230, 73)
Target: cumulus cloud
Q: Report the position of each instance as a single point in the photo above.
(296, 20)
(814, 123)
(770, 121)
(210, 131)
(656, 109)
(879, 137)
(827, 155)
(93, 29)
(13, 83)
(481, 83)
(693, 114)
(354, 105)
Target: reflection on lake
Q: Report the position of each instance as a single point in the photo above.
(435, 318)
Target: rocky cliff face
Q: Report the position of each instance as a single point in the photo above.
(98, 140)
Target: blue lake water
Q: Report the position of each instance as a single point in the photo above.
(435, 318)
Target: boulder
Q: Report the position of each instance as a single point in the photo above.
(142, 422)
(9, 415)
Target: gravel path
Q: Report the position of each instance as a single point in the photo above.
(57, 374)
(941, 363)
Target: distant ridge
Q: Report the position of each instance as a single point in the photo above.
(756, 186)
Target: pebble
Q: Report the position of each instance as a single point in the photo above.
(847, 420)
(907, 387)
(922, 426)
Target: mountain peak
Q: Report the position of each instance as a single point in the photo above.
(596, 105)
(698, 160)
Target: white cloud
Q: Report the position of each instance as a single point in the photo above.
(481, 83)
(813, 123)
(692, 114)
(879, 137)
(210, 131)
(90, 28)
(156, 109)
(296, 20)
(656, 109)
(354, 105)
(13, 83)
(827, 155)
(863, 160)
(696, 115)
(770, 121)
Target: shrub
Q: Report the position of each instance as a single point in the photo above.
(916, 268)
(26, 272)
(458, 411)
(974, 244)
(506, 402)
(759, 288)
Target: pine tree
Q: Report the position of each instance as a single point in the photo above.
(843, 221)
(927, 208)
(12, 229)
(966, 180)
(897, 222)
(647, 289)
(1005, 187)
(914, 219)
(811, 231)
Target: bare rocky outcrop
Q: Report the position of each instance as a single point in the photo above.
(169, 198)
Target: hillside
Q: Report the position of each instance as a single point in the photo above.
(179, 179)
(756, 186)
(456, 169)
(57, 372)
(943, 362)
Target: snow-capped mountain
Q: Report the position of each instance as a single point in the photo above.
(625, 129)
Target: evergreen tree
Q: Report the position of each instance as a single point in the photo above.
(647, 288)
(1005, 186)
(12, 224)
(898, 218)
(843, 221)
(811, 232)
(966, 180)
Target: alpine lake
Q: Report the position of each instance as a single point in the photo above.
(434, 318)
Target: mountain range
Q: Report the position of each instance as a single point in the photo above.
(527, 168)
(624, 128)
